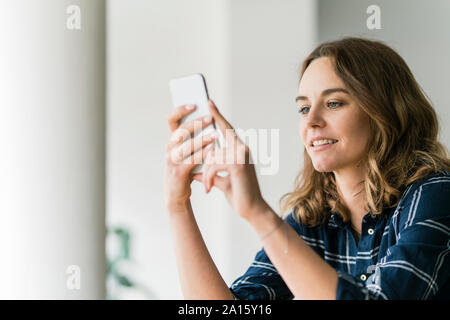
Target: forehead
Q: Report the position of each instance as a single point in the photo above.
(319, 75)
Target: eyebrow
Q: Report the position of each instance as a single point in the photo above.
(324, 93)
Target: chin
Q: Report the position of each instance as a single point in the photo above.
(323, 167)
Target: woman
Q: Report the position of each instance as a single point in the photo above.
(369, 217)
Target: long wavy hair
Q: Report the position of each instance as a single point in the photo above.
(404, 128)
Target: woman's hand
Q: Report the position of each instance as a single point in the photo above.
(240, 186)
(182, 155)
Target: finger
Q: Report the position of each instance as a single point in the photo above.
(174, 117)
(226, 128)
(213, 180)
(190, 146)
(197, 158)
(205, 168)
(198, 177)
(186, 129)
(211, 164)
(223, 183)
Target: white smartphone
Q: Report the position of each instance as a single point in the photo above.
(192, 89)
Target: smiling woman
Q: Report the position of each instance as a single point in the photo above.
(335, 130)
(369, 212)
(380, 117)
(372, 197)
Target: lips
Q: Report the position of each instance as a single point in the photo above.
(320, 138)
(322, 147)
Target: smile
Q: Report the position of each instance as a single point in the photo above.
(323, 146)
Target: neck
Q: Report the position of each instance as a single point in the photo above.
(350, 186)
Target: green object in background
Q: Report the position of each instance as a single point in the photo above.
(123, 254)
(121, 258)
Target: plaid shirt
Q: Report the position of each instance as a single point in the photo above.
(404, 253)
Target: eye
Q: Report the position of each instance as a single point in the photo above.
(330, 104)
(334, 104)
(301, 109)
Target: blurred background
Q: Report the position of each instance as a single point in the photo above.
(84, 97)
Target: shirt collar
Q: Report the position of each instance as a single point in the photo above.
(337, 219)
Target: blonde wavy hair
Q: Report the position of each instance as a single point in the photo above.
(404, 127)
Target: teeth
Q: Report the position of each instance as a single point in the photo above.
(322, 142)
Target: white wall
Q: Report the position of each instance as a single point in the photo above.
(269, 40)
(419, 31)
(150, 42)
(249, 52)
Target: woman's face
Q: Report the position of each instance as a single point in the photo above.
(327, 110)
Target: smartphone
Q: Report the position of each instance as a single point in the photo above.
(192, 89)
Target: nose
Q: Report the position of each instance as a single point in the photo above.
(314, 117)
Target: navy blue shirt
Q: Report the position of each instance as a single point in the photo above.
(404, 253)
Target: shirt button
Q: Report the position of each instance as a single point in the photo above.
(370, 231)
(363, 277)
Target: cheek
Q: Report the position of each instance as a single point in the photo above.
(357, 134)
(302, 131)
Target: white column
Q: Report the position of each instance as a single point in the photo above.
(52, 149)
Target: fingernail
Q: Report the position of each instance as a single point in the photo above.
(190, 106)
(207, 119)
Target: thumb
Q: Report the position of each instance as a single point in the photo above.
(198, 177)
(223, 183)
